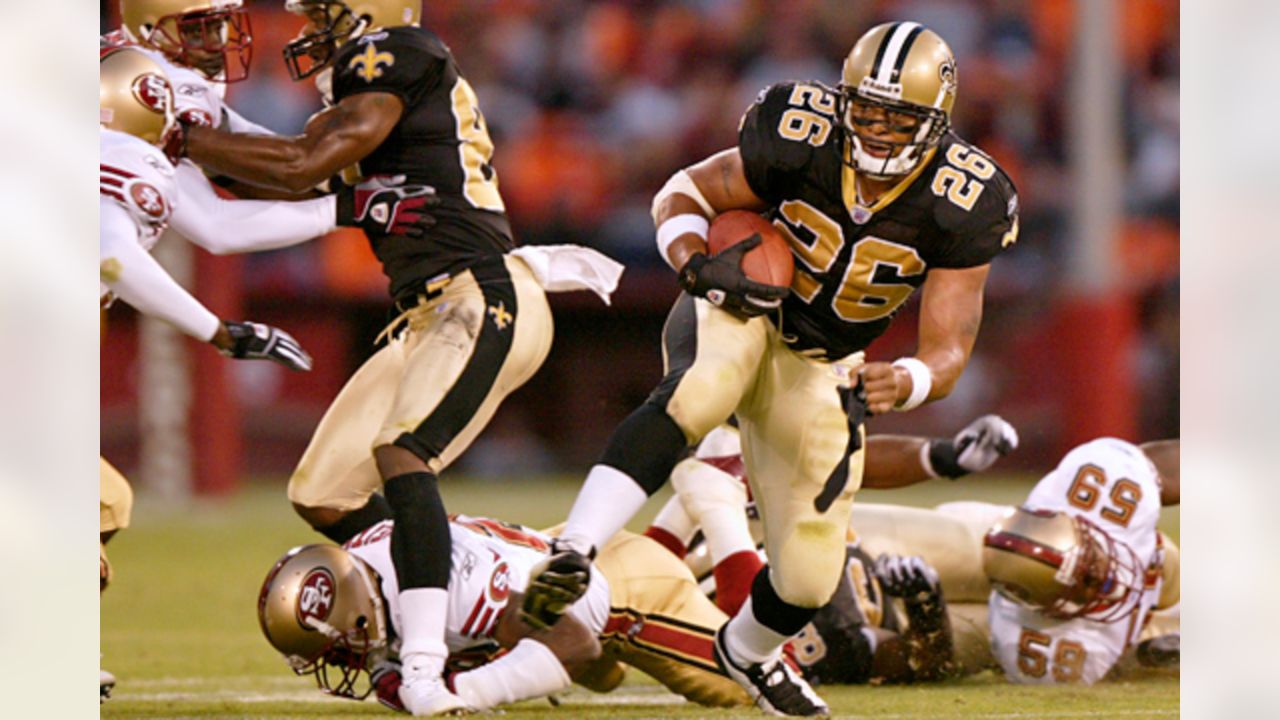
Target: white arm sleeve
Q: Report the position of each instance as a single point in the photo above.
(135, 277)
(237, 123)
(235, 226)
(530, 670)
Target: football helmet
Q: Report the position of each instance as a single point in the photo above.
(1061, 564)
(211, 36)
(320, 606)
(902, 77)
(332, 23)
(134, 95)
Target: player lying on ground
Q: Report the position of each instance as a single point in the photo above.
(855, 638)
(335, 614)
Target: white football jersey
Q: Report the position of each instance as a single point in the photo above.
(1113, 484)
(490, 559)
(137, 176)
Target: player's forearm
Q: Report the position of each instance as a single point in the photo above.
(893, 461)
(928, 638)
(276, 162)
(530, 670)
(697, 194)
(235, 226)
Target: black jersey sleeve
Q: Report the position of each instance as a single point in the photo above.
(399, 61)
(977, 235)
(771, 161)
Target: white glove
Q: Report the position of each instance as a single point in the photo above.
(973, 449)
(906, 577)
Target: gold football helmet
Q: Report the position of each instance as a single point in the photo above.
(901, 76)
(332, 23)
(134, 96)
(1061, 564)
(320, 606)
(211, 36)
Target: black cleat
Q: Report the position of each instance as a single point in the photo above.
(1164, 651)
(106, 683)
(775, 687)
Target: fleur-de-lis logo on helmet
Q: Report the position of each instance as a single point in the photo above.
(947, 73)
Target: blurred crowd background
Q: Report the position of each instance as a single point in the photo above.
(592, 105)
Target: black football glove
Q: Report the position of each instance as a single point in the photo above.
(385, 205)
(554, 584)
(255, 341)
(973, 449)
(719, 279)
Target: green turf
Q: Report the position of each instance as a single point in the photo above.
(179, 628)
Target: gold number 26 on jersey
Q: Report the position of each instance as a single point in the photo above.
(956, 186)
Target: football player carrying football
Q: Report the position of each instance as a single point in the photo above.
(473, 322)
(334, 613)
(877, 198)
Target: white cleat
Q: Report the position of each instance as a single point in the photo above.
(427, 696)
(106, 683)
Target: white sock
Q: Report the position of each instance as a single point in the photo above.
(607, 500)
(422, 615)
(749, 641)
(727, 532)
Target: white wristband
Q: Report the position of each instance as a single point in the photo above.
(674, 227)
(921, 382)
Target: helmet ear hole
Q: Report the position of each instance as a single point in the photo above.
(362, 622)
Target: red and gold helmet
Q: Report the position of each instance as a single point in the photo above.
(1063, 565)
(321, 607)
(210, 36)
(134, 95)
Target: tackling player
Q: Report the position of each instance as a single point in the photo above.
(334, 613)
(877, 198)
(473, 309)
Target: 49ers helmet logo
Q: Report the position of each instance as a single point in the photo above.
(152, 91)
(315, 600)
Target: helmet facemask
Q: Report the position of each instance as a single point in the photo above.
(217, 42)
(331, 23)
(882, 158)
(341, 664)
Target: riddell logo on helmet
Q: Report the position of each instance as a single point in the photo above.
(152, 90)
(315, 601)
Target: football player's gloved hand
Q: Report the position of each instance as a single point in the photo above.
(255, 341)
(910, 578)
(386, 205)
(554, 584)
(386, 681)
(719, 279)
(973, 449)
(174, 142)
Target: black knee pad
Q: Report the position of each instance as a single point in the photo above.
(646, 446)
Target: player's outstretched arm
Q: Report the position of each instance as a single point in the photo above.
(333, 139)
(950, 315)
(900, 460)
(538, 663)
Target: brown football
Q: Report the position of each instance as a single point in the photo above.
(769, 262)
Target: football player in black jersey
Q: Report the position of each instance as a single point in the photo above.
(476, 320)
(877, 198)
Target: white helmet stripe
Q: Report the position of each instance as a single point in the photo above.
(894, 49)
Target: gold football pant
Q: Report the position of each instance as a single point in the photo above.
(661, 623)
(115, 506)
(434, 387)
(801, 457)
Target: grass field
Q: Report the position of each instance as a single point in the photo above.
(180, 633)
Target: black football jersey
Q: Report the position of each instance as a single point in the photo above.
(441, 141)
(836, 647)
(855, 266)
